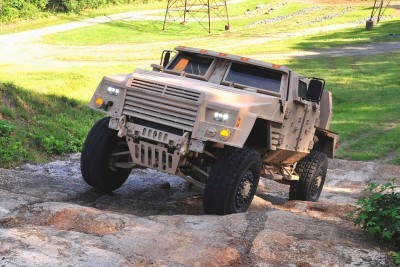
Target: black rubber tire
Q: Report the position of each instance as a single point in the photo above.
(95, 158)
(235, 172)
(312, 171)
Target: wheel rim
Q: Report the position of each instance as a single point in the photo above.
(245, 188)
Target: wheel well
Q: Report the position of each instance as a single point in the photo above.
(325, 144)
(258, 137)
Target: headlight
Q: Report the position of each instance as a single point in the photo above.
(113, 91)
(220, 116)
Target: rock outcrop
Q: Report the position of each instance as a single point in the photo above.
(50, 217)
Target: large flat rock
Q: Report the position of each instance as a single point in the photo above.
(50, 217)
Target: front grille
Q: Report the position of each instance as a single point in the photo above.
(167, 105)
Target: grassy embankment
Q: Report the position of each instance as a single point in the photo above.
(34, 127)
(40, 124)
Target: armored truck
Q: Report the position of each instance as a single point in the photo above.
(217, 120)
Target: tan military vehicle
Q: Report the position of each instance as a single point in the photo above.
(218, 121)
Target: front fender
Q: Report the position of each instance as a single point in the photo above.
(239, 132)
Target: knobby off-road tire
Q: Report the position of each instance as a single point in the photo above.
(96, 164)
(232, 182)
(312, 171)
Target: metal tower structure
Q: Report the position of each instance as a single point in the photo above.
(378, 8)
(201, 11)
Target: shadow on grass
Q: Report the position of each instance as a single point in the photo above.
(383, 32)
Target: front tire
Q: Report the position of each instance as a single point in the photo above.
(96, 161)
(312, 170)
(232, 182)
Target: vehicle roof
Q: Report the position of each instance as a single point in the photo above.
(235, 58)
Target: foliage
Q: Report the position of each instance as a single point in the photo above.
(379, 212)
(40, 4)
(15, 9)
(396, 258)
(12, 10)
(10, 148)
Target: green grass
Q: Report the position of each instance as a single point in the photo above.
(47, 20)
(124, 32)
(352, 36)
(35, 127)
(151, 39)
(128, 32)
(366, 103)
(73, 82)
(263, 38)
(365, 88)
(358, 35)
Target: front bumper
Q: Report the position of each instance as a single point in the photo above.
(153, 148)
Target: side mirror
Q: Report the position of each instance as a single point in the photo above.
(315, 89)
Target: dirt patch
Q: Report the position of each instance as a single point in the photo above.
(87, 222)
(222, 257)
(320, 210)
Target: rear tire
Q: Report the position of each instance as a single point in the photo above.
(312, 171)
(96, 163)
(232, 182)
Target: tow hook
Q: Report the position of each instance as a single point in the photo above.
(122, 126)
(184, 144)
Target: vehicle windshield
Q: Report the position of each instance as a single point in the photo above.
(191, 64)
(245, 75)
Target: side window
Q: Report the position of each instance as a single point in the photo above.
(302, 90)
(250, 76)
